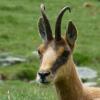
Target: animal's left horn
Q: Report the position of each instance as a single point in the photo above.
(58, 23)
(46, 23)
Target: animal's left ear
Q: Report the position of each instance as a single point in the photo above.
(71, 34)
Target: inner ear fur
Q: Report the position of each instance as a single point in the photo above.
(71, 34)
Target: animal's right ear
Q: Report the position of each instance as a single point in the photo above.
(41, 28)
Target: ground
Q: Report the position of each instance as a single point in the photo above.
(19, 36)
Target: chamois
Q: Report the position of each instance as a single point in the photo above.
(57, 63)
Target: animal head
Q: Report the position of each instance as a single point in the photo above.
(54, 51)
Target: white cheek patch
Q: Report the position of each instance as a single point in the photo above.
(48, 58)
(50, 53)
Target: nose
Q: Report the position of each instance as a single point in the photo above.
(43, 76)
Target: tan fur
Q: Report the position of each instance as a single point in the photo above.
(57, 62)
(49, 54)
(69, 86)
(66, 79)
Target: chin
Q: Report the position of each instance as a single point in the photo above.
(45, 82)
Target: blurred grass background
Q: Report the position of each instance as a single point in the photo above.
(19, 36)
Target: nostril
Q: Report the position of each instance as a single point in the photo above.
(43, 74)
(47, 73)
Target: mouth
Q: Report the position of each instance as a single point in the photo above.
(41, 81)
(44, 82)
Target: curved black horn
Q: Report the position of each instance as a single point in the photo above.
(46, 23)
(58, 23)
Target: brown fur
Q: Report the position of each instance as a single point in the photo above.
(66, 79)
(69, 86)
(57, 53)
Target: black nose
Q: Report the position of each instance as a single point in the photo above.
(43, 76)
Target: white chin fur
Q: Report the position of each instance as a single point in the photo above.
(37, 78)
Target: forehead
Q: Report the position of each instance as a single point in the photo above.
(53, 45)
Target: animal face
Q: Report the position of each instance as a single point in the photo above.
(54, 52)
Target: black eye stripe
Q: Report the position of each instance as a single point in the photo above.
(61, 60)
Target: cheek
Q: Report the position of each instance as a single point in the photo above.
(50, 77)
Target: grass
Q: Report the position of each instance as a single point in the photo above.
(17, 90)
(19, 36)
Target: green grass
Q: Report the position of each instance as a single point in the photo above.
(17, 90)
(19, 36)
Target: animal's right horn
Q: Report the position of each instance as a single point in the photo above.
(46, 23)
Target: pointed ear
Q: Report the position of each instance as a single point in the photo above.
(41, 28)
(71, 34)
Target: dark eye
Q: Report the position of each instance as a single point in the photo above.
(40, 54)
(66, 53)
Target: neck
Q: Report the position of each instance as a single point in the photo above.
(68, 84)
